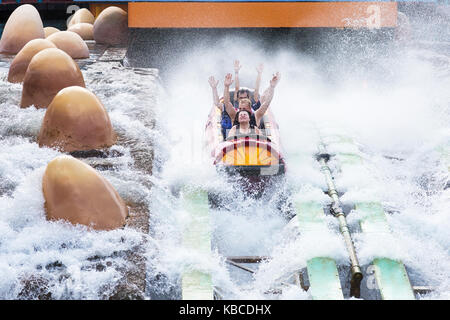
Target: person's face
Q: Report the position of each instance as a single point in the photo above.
(243, 105)
(242, 95)
(243, 117)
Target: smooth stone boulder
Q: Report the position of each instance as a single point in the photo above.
(76, 120)
(84, 30)
(21, 61)
(24, 24)
(81, 16)
(77, 193)
(111, 26)
(50, 30)
(71, 43)
(49, 71)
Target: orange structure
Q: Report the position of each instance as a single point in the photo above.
(262, 14)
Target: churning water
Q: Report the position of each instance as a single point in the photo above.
(395, 104)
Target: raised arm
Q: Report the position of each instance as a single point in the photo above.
(268, 95)
(237, 67)
(259, 69)
(226, 96)
(213, 83)
(231, 132)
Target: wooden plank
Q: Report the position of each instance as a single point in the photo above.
(197, 284)
(322, 271)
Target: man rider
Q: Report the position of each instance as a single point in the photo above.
(244, 93)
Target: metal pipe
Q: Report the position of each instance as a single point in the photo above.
(338, 212)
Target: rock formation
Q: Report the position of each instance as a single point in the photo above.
(84, 30)
(21, 61)
(111, 26)
(49, 71)
(75, 192)
(71, 43)
(76, 120)
(23, 25)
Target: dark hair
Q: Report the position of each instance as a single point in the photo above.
(236, 118)
(243, 91)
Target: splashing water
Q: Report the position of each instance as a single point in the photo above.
(395, 104)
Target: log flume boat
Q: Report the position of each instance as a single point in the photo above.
(251, 155)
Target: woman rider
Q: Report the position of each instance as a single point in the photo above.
(243, 124)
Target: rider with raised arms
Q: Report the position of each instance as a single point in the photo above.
(255, 117)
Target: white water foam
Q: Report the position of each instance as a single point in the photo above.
(404, 115)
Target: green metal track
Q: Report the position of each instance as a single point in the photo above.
(197, 284)
(391, 276)
(322, 271)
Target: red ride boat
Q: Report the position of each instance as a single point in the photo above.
(247, 154)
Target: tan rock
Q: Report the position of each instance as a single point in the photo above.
(24, 24)
(71, 43)
(76, 120)
(81, 16)
(49, 71)
(84, 30)
(50, 30)
(111, 26)
(21, 61)
(77, 193)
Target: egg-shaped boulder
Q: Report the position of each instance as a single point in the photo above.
(111, 26)
(71, 43)
(49, 71)
(77, 193)
(82, 15)
(24, 24)
(76, 120)
(50, 30)
(84, 30)
(21, 61)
